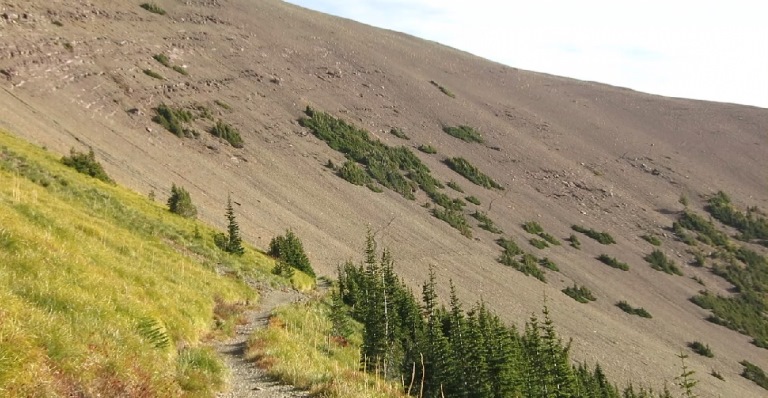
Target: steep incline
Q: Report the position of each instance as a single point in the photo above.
(567, 152)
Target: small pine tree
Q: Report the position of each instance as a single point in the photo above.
(231, 242)
(289, 249)
(181, 203)
(685, 381)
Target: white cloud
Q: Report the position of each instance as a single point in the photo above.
(706, 50)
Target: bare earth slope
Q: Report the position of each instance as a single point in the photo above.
(567, 152)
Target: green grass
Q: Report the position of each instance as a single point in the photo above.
(464, 133)
(754, 373)
(602, 237)
(101, 287)
(471, 173)
(300, 348)
(153, 74)
(579, 293)
(455, 186)
(532, 227)
(641, 312)
(153, 8)
(473, 200)
(548, 264)
(455, 219)
(485, 222)
(660, 262)
(613, 262)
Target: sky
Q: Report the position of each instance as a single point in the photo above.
(710, 50)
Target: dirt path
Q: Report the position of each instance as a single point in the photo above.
(246, 379)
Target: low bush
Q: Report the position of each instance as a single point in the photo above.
(575, 243)
(754, 373)
(528, 266)
(289, 249)
(613, 262)
(228, 133)
(181, 203)
(548, 264)
(353, 173)
(428, 149)
(153, 74)
(162, 59)
(532, 227)
(510, 246)
(87, 164)
(538, 243)
(652, 239)
(455, 219)
(464, 133)
(485, 222)
(579, 293)
(470, 172)
(399, 133)
(473, 200)
(173, 119)
(602, 237)
(660, 262)
(443, 89)
(180, 69)
(153, 8)
(222, 104)
(455, 186)
(641, 312)
(701, 349)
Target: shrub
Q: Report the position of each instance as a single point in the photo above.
(701, 349)
(754, 373)
(751, 225)
(443, 89)
(549, 238)
(446, 201)
(151, 73)
(470, 172)
(485, 222)
(180, 69)
(473, 200)
(464, 133)
(538, 243)
(455, 186)
(575, 243)
(532, 227)
(660, 262)
(173, 119)
(153, 8)
(86, 163)
(289, 249)
(632, 310)
(455, 219)
(579, 293)
(163, 60)
(222, 104)
(228, 133)
(181, 203)
(510, 246)
(717, 374)
(428, 149)
(352, 172)
(399, 133)
(602, 237)
(652, 239)
(613, 262)
(528, 265)
(548, 264)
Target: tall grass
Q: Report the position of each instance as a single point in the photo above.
(84, 265)
(298, 348)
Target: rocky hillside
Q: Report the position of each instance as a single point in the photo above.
(564, 152)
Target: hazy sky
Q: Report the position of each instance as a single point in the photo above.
(713, 50)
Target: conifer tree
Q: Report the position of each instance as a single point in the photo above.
(234, 243)
(289, 249)
(181, 203)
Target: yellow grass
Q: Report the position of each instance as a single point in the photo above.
(297, 348)
(82, 264)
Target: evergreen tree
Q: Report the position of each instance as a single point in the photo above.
(231, 242)
(181, 203)
(289, 249)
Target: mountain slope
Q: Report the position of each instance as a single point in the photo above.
(567, 152)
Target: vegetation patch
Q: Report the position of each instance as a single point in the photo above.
(701, 349)
(180, 69)
(396, 168)
(751, 225)
(641, 312)
(228, 133)
(754, 373)
(660, 262)
(173, 120)
(153, 8)
(652, 239)
(86, 163)
(399, 133)
(153, 74)
(353, 173)
(162, 59)
(581, 294)
(538, 243)
(745, 312)
(464, 133)
(708, 233)
(470, 172)
(574, 241)
(289, 250)
(473, 200)
(181, 203)
(455, 186)
(428, 149)
(613, 262)
(222, 105)
(442, 89)
(485, 222)
(528, 264)
(602, 237)
(549, 264)
(455, 219)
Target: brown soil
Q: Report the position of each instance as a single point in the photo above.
(568, 152)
